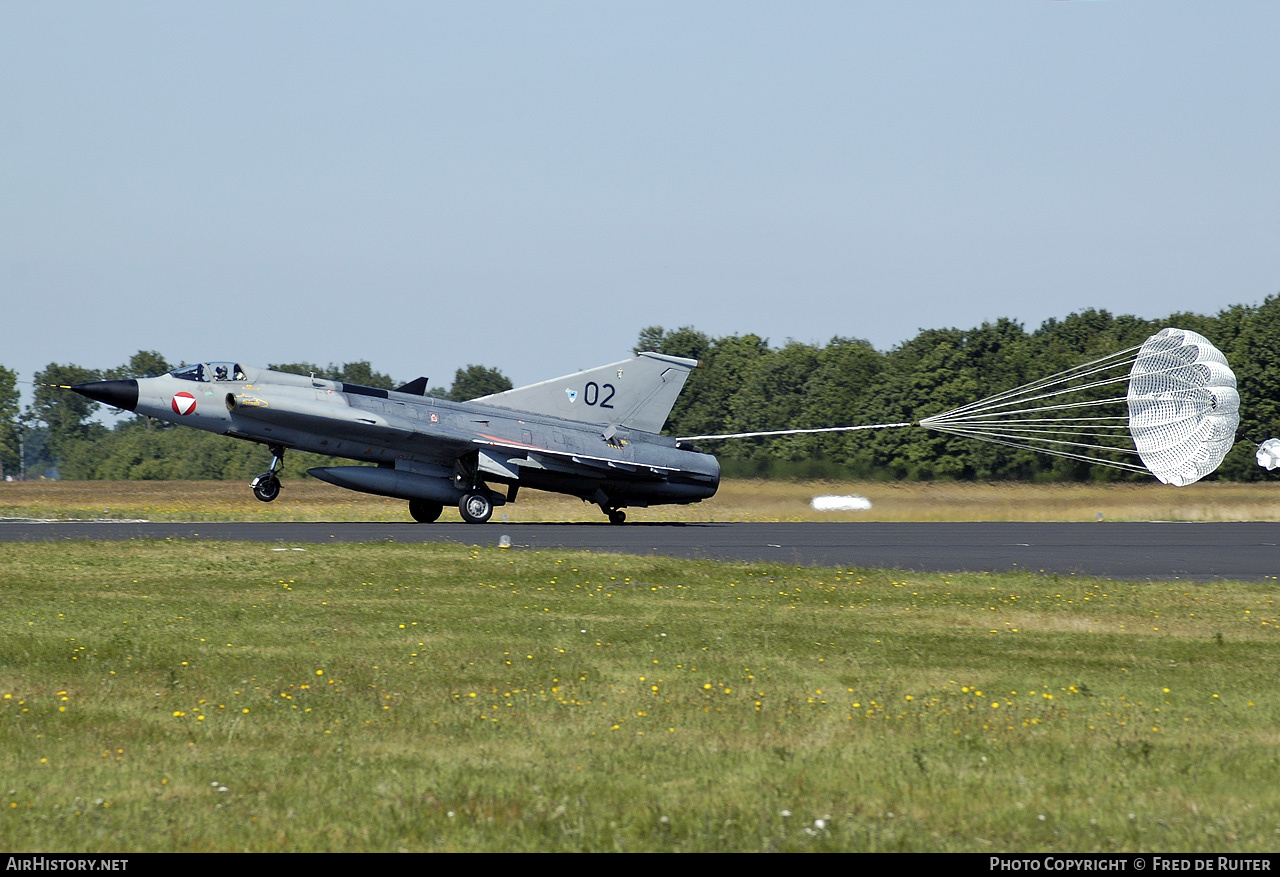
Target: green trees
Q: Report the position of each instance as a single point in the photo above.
(742, 384)
(361, 373)
(69, 439)
(143, 364)
(705, 406)
(10, 441)
(475, 381)
(1254, 354)
(772, 386)
(838, 393)
(69, 432)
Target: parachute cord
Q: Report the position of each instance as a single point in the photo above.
(981, 407)
(1097, 366)
(985, 436)
(942, 420)
(1021, 395)
(1128, 467)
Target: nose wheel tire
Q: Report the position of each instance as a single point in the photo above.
(266, 487)
(425, 512)
(476, 508)
(616, 516)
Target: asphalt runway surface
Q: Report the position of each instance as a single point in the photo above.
(1137, 551)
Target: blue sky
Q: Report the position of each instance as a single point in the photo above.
(527, 185)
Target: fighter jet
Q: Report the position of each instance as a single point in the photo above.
(593, 435)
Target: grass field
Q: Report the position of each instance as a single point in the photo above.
(311, 500)
(204, 696)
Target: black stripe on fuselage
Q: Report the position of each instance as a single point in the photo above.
(364, 391)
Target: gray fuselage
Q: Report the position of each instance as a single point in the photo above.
(433, 449)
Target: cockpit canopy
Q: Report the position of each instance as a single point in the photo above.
(210, 371)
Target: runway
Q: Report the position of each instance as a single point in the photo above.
(1136, 551)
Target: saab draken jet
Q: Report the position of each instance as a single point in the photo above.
(594, 435)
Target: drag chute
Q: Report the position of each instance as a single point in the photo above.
(1183, 406)
(1177, 419)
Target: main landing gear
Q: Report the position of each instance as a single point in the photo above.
(616, 516)
(476, 507)
(266, 487)
(476, 504)
(424, 511)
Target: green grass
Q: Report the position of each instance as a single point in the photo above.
(203, 696)
(306, 499)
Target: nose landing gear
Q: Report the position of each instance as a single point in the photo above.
(266, 487)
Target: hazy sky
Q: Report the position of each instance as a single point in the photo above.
(528, 184)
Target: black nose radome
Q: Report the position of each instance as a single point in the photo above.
(117, 394)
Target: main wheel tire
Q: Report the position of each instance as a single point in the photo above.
(617, 516)
(425, 512)
(266, 487)
(476, 508)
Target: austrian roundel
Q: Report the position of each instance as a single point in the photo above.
(183, 403)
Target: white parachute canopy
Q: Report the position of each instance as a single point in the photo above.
(1183, 406)
(1178, 416)
(1268, 454)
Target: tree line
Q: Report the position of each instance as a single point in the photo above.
(743, 384)
(60, 437)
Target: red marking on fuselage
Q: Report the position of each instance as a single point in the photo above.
(183, 403)
(509, 443)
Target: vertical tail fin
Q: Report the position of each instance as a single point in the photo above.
(635, 393)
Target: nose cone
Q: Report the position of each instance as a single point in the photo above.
(117, 394)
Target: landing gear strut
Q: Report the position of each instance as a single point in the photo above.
(266, 487)
(475, 504)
